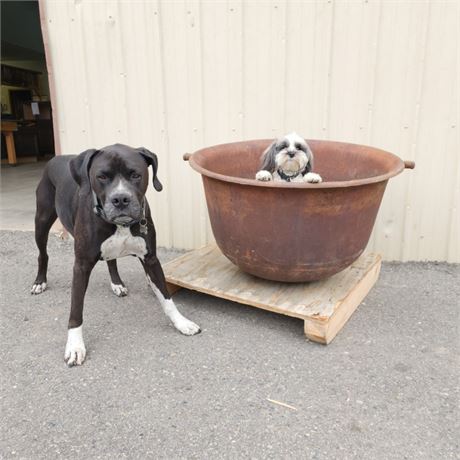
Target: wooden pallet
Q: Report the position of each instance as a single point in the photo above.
(325, 306)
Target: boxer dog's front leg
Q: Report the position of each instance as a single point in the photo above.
(75, 351)
(156, 279)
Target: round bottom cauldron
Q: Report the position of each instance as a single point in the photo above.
(294, 232)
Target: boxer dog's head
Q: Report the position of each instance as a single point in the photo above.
(117, 176)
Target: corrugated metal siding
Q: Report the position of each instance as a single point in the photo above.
(179, 75)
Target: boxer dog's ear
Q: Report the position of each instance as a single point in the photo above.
(152, 161)
(79, 166)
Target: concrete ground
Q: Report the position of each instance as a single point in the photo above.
(386, 388)
(17, 195)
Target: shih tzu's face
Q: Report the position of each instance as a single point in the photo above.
(291, 154)
(288, 159)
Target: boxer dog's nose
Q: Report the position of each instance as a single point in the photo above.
(121, 200)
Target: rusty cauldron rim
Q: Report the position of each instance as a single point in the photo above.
(398, 167)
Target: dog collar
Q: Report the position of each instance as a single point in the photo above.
(99, 211)
(288, 178)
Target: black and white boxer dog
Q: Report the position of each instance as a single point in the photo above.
(99, 196)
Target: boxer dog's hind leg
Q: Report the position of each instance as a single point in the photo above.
(45, 216)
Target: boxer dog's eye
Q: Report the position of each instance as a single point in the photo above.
(135, 176)
(102, 177)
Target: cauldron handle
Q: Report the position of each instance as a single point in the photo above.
(187, 156)
(407, 164)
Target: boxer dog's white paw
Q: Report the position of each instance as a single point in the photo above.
(187, 327)
(264, 175)
(38, 288)
(74, 356)
(75, 351)
(119, 290)
(312, 178)
(181, 323)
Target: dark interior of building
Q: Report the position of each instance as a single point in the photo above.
(27, 128)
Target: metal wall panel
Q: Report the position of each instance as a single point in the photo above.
(174, 76)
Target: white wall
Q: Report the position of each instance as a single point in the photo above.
(178, 75)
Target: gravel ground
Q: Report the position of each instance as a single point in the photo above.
(386, 388)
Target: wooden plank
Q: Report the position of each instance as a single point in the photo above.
(324, 331)
(325, 305)
(9, 126)
(10, 148)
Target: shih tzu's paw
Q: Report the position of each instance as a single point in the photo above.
(264, 175)
(312, 178)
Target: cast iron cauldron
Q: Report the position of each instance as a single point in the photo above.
(294, 232)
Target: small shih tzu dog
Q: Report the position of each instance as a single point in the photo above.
(288, 159)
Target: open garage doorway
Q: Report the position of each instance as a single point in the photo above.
(27, 115)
